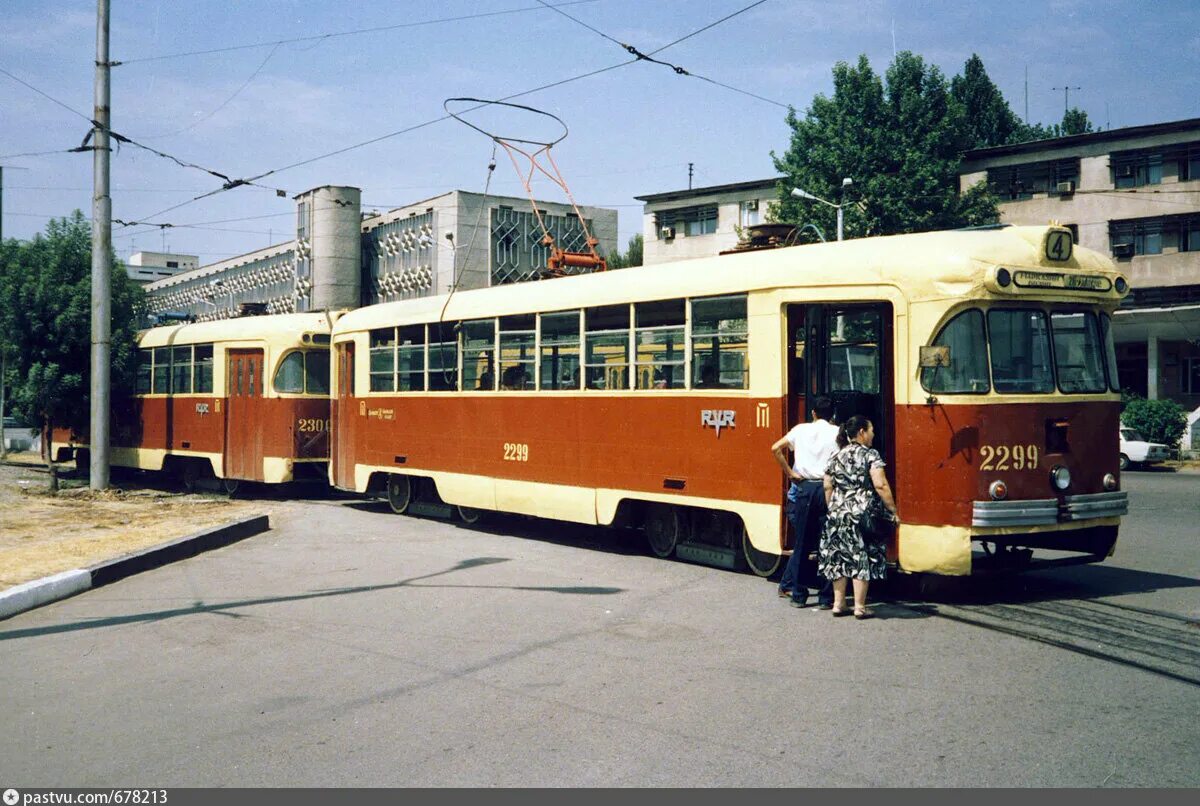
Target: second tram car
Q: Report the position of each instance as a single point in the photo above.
(244, 399)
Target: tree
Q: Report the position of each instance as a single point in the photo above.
(631, 257)
(1162, 421)
(1075, 121)
(900, 141)
(988, 120)
(45, 314)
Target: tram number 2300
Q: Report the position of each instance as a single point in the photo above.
(1008, 457)
(516, 452)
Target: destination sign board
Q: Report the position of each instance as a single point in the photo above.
(1067, 282)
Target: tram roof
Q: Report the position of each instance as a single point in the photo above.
(927, 266)
(284, 327)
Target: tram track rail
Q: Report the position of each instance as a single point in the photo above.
(1162, 643)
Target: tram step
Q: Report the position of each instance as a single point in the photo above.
(430, 509)
(707, 555)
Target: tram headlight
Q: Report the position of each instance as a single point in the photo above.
(1060, 477)
(1110, 481)
(1121, 285)
(998, 490)
(1003, 278)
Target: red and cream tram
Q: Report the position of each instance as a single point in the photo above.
(244, 399)
(651, 396)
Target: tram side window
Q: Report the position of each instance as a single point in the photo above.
(1078, 352)
(606, 347)
(517, 337)
(659, 362)
(1110, 352)
(479, 355)
(181, 370)
(410, 359)
(443, 358)
(162, 371)
(202, 369)
(1020, 347)
(145, 366)
(383, 360)
(560, 350)
(968, 369)
(719, 356)
(289, 378)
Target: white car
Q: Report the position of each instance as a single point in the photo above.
(1137, 451)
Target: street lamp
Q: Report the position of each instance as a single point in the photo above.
(803, 194)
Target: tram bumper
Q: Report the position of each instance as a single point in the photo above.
(1085, 525)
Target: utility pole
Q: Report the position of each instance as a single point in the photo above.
(3, 367)
(98, 436)
(1026, 95)
(1066, 96)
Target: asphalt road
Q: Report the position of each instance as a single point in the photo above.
(352, 647)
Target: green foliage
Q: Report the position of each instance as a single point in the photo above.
(1157, 420)
(45, 319)
(631, 257)
(987, 118)
(1075, 121)
(899, 139)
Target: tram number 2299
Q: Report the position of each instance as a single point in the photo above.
(1008, 457)
(516, 452)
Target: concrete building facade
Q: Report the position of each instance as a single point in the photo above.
(1132, 193)
(149, 267)
(342, 258)
(685, 224)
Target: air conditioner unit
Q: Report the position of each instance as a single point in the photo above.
(667, 233)
(1066, 188)
(1122, 250)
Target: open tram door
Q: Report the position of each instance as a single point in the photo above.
(341, 418)
(846, 352)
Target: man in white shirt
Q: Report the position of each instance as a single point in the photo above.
(812, 445)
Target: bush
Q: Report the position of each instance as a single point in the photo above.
(1157, 420)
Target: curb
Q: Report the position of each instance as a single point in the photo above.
(38, 592)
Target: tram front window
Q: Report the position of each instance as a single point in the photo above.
(1078, 352)
(1020, 342)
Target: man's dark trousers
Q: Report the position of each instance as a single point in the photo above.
(806, 512)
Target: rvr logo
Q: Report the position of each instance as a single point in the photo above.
(717, 418)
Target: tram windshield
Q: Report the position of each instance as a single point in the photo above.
(1030, 353)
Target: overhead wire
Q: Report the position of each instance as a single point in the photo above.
(337, 34)
(649, 57)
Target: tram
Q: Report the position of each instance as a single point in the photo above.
(243, 399)
(651, 396)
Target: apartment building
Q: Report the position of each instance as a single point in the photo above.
(1132, 193)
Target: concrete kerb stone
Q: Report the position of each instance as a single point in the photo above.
(38, 592)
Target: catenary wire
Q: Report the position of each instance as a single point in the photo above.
(336, 34)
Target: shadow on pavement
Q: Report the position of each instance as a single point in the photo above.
(224, 608)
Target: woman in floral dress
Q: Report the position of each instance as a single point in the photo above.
(853, 478)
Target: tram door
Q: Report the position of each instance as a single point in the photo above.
(342, 419)
(844, 352)
(245, 415)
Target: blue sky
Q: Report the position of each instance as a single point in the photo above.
(633, 130)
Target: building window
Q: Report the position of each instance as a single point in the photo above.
(1190, 382)
(750, 213)
(1150, 236)
(172, 264)
(1133, 169)
(1017, 182)
(689, 221)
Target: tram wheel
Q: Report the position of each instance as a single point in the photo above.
(468, 515)
(189, 476)
(399, 493)
(762, 563)
(231, 486)
(663, 527)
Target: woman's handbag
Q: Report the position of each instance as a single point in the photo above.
(877, 521)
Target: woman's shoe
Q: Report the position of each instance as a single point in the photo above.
(839, 613)
(863, 613)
